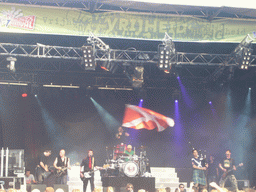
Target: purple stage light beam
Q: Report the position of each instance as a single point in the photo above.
(185, 95)
(140, 103)
(178, 131)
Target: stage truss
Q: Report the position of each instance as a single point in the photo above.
(46, 64)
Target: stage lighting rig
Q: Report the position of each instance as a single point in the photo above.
(11, 65)
(88, 60)
(243, 53)
(97, 42)
(246, 58)
(166, 54)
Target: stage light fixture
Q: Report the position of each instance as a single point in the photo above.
(243, 52)
(88, 60)
(246, 58)
(11, 65)
(97, 42)
(166, 54)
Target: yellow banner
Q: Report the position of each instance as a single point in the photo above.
(27, 19)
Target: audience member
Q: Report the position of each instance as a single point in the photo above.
(49, 189)
(129, 187)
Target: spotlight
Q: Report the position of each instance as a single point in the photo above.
(141, 100)
(166, 54)
(210, 102)
(245, 58)
(176, 101)
(164, 58)
(88, 60)
(243, 52)
(35, 95)
(11, 66)
(250, 88)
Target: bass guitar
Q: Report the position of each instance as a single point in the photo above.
(224, 175)
(60, 172)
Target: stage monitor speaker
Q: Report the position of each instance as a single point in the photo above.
(38, 187)
(60, 188)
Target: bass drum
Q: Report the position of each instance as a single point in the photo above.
(131, 169)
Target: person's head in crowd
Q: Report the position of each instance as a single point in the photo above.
(204, 190)
(181, 187)
(110, 189)
(49, 189)
(129, 187)
(76, 190)
(99, 189)
(12, 190)
(167, 189)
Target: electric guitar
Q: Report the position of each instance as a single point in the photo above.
(60, 172)
(88, 174)
(46, 174)
(224, 175)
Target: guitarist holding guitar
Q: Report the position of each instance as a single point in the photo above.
(227, 165)
(61, 164)
(87, 169)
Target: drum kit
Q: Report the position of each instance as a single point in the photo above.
(123, 164)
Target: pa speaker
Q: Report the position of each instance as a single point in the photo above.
(60, 188)
(38, 187)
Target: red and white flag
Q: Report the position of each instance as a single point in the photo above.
(141, 118)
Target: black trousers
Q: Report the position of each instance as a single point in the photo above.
(85, 183)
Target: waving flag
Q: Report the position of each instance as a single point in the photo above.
(141, 118)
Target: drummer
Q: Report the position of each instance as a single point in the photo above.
(129, 152)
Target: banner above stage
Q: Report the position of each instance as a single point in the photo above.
(42, 20)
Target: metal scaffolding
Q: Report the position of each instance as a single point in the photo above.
(37, 60)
